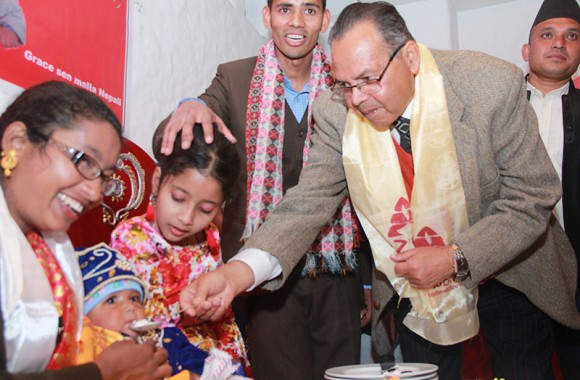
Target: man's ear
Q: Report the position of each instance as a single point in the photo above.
(410, 53)
(155, 181)
(325, 21)
(266, 17)
(526, 52)
(15, 137)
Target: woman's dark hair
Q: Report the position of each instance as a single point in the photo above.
(53, 105)
(382, 14)
(219, 159)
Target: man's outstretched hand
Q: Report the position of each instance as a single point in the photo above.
(209, 296)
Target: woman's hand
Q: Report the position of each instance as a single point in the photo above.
(128, 360)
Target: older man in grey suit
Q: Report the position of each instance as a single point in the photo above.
(493, 178)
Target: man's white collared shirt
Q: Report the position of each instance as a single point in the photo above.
(550, 120)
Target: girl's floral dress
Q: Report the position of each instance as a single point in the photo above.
(167, 269)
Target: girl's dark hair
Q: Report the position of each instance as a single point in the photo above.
(219, 159)
(53, 105)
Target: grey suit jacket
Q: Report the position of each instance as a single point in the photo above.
(510, 188)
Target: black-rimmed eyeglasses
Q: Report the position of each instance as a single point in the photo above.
(369, 86)
(87, 167)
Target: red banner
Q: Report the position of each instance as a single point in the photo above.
(80, 42)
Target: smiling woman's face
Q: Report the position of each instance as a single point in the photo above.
(45, 191)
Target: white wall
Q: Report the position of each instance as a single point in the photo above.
(8, 92)
(497, 27)
(173, 52)
(431, 22)
(500, 30)
(427, 18)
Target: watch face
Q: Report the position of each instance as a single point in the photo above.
(461, 275)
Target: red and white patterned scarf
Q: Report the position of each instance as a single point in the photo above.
(264, 145)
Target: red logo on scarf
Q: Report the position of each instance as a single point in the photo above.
(403, 218)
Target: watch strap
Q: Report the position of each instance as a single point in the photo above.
(460, 265)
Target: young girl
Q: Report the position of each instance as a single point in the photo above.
(176, 241)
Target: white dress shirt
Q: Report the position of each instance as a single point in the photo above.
(550, 120)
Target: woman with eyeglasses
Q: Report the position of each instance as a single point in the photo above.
(59, 147)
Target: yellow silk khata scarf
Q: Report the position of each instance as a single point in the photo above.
(447, 313)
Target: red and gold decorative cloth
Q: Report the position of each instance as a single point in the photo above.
(66, 349)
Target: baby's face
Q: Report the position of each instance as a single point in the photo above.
(117, 311)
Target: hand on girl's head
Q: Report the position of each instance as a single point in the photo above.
(183, 121)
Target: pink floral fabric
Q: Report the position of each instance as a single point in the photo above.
(167, 269)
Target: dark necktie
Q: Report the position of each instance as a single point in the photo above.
(402, 125)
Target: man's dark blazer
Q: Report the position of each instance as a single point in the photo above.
(571, 166)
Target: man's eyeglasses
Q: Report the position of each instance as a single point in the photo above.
(88, 167)
(366, 87)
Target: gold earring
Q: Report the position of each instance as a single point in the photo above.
(8, 162)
